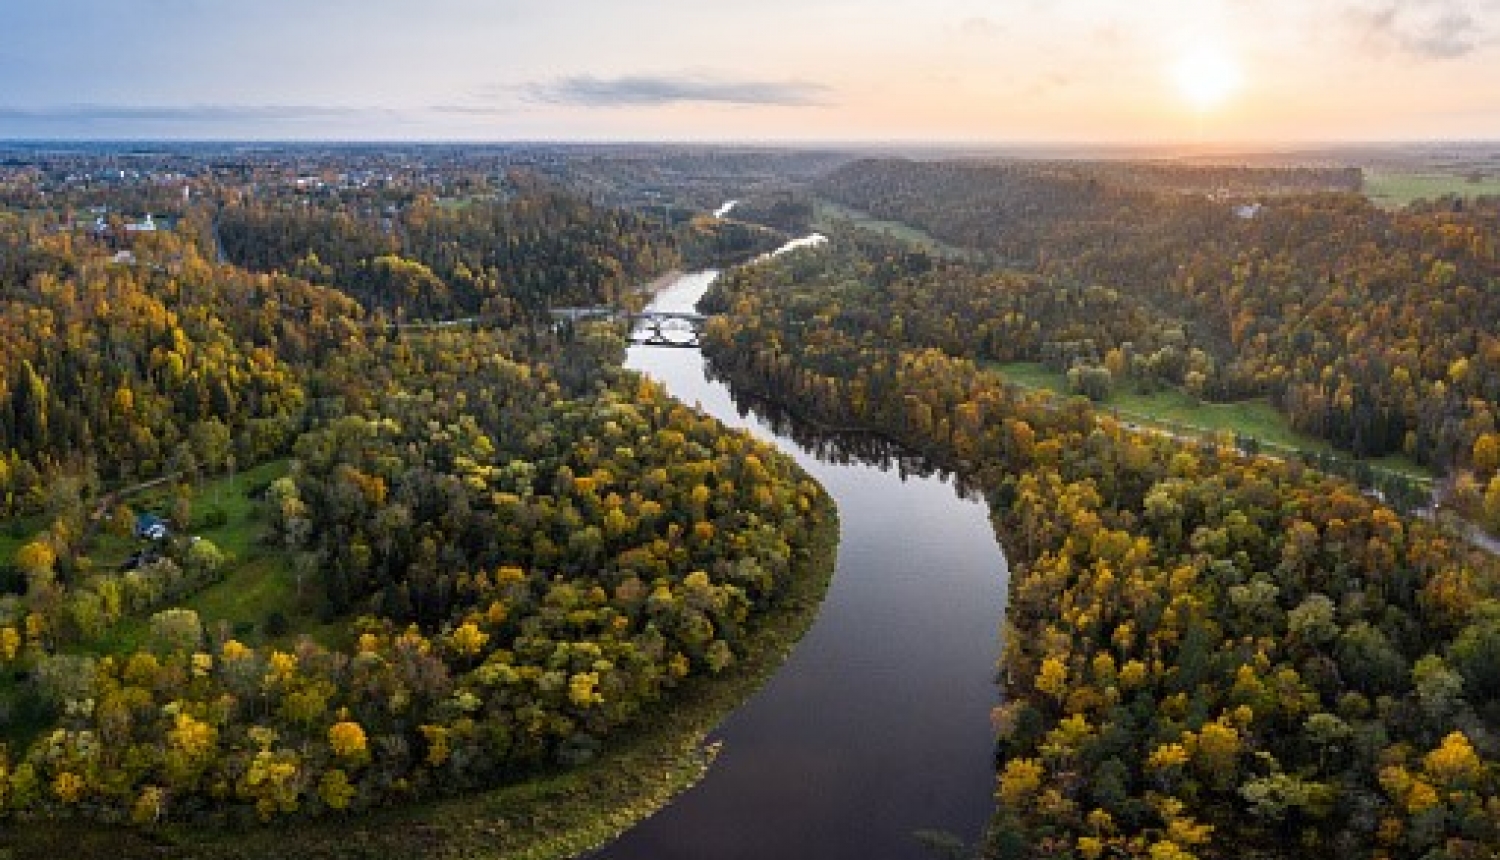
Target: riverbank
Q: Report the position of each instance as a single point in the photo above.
(876, 730)
(552, 817)
(1136, 566)
(641, 294)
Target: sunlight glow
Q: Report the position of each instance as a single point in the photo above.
(1207, 76)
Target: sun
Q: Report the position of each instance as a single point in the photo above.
(1207, 76)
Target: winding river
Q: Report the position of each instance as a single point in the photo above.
(876, 728)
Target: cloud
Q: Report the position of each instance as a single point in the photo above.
(981, 27)
(87, 113)
(472, 110)
(1425, 29)
(657, 90)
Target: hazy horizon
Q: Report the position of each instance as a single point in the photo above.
(949, 73)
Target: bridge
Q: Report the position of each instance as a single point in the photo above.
(647, 328)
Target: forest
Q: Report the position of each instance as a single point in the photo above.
(1366, 327)
(503, 259)
(505, 556)
(514, 547)
(1206, 653)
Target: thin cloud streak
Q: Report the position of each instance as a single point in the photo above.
(183, 113)
(659, 90)
(472, 110)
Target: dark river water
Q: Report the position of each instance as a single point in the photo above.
(877, 726)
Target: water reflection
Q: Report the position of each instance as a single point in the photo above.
(841, 446)
(877, 726)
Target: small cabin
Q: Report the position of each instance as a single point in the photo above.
(151, 527)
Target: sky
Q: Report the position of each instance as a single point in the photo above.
(960, 71)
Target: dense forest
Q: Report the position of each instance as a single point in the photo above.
(1372, 329)
(513, 545)
(1206, 654)
(503, 258)
(111, 372)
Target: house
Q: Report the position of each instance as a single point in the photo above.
(151, 527)
(146, 226)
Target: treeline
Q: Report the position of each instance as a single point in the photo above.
(786, 211)
(1206, 654)
(1221, 180)
(1374, 330)
(707, 242)
(507, 259)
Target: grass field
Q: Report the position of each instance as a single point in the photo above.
(454, 204)
(258, 580)
(1178, 412)
(826, 213)
(1394, 188)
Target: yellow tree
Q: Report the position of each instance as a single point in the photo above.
(347, 738)
(1486, 453)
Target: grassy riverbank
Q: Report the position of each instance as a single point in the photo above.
(554, 816)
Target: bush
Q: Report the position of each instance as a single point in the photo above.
(276, 623)
(12, 581)
(213, 518)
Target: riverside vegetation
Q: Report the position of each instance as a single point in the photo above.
(1207, 654)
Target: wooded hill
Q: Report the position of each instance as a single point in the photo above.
(1372, 329)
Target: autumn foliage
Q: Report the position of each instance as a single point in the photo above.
(1206, 654)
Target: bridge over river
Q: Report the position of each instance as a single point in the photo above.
(670, 328)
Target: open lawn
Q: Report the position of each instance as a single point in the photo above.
(1177, 412)
(826, 213)
(454, 204)
(258, 580)
(235, 497)
(1394, 188)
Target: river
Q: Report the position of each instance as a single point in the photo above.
(877, 726)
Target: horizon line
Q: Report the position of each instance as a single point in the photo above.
(770, 143)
